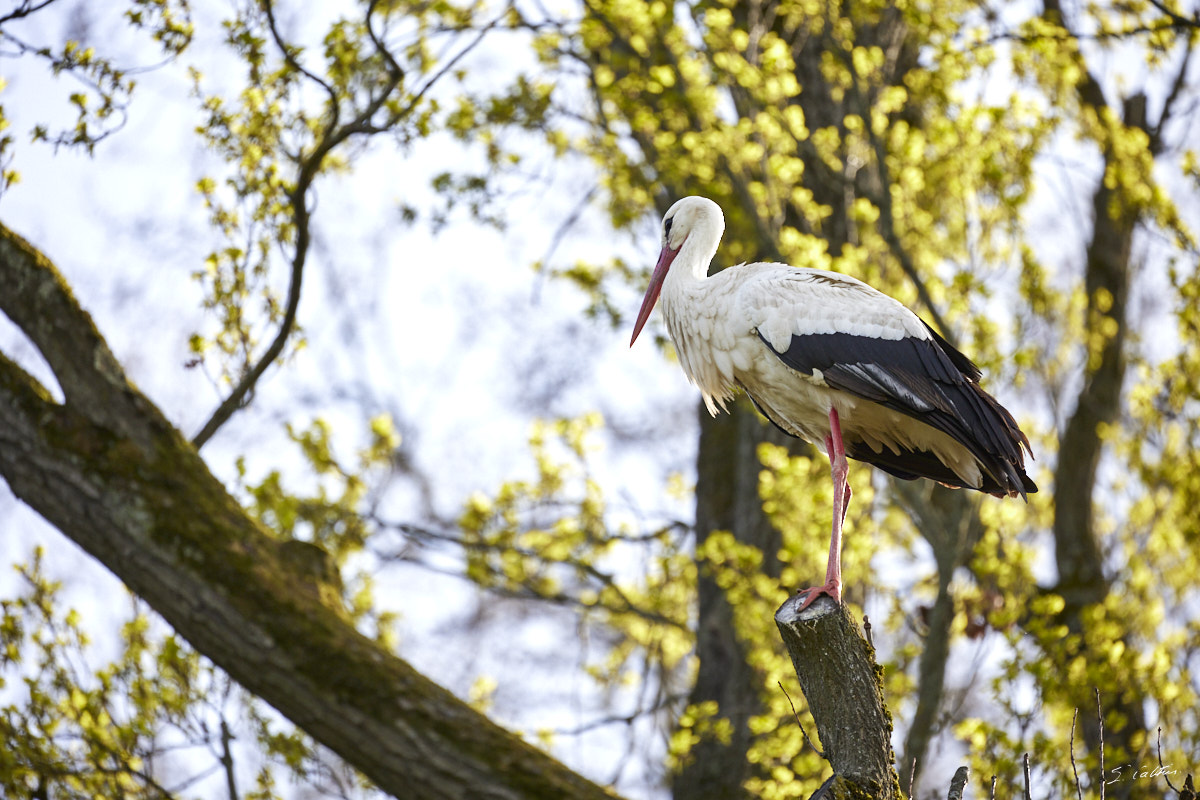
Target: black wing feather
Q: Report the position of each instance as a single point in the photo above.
(930, 381)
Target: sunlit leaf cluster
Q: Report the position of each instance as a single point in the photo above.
(75, 726)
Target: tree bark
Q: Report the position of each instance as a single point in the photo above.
(727, 498)
(843, 685)
(949, 521)
(109, 471)
(1078, 554)
(1108, 269)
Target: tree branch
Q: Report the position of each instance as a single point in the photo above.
(958, 783)
(332, 136)
(24, 9)
(842, 683)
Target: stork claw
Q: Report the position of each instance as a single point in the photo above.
(830, 590)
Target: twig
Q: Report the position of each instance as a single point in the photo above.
(1100, 717)
(606, 580)
(912, 775)
(227, 759)
(561, 232)
(1177, 87)
(798, 722)
(289, 56)
(453, 61)
(1187, 22)
(1025, 769)
(867, 631)
(25, 9)
(1160, 764)
(393, 67)
(1083, 36)
(992, 794)
(1074, 769)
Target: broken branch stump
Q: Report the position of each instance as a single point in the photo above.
(843, 687)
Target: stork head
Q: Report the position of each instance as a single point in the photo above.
(697, 219)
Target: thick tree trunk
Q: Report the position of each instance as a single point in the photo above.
(949, 521)
(115, 477)
(1078, 555)
(727, 499)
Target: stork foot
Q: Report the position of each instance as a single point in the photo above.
(832, 589)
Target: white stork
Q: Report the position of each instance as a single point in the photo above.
(829, 359)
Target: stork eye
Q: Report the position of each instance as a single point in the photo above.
(667, 227)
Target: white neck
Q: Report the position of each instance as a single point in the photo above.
(695, 254)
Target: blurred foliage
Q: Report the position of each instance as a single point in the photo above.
(158, 721)
(552, 539)
(303, 111)
(84, 728)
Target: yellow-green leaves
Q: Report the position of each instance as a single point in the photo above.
(923, 163)
(83, 726)
(554, 538)
(100, 106)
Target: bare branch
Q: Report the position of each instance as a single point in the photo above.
(1177, 87)
(394, 68)
(796, 716)
(1074, 769)
(24, 9)
(603, 579)
(1100, 719)
(289, 56)
(227, 759)
(1179, 21)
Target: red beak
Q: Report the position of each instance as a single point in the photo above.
(656, 282)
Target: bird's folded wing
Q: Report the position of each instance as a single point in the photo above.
(857, 340)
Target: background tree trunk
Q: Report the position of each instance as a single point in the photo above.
(727, 499)
(1082, 582)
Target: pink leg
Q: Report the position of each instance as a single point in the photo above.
(840, 469)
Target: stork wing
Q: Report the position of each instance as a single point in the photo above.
(860, 341)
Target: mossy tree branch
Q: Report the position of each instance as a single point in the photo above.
(110, 472)
(842, 683)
